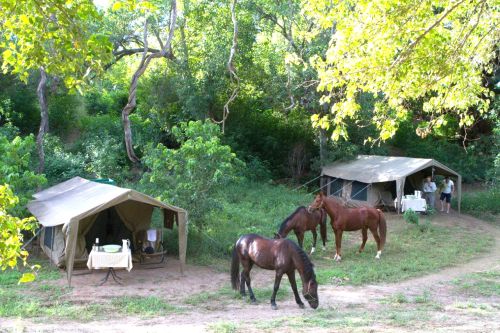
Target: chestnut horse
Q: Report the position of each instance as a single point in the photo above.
(351, 219)
(301, 221)
(281, 255)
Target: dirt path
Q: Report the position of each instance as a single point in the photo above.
(447, 310)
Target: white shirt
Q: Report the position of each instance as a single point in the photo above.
(429, 187)
(447, 186)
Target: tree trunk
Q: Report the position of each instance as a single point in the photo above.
(146, 59)
(44, 119)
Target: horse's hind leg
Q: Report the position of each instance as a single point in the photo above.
(377, 239)
(242, 284)
(315, 237)
(247, 279)
(293, 283)
(277, 281)
(300, 238)
(364, 232)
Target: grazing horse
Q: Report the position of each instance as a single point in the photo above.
(301, 221)
(351, 219)
(281, 255)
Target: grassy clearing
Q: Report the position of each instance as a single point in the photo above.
(223, 327)
(143, 306)
(408, 253)
(226, 295)
(483, 204)
(479, 284)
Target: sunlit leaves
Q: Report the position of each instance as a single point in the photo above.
(53, 34)
(406, 50)
(11, 238)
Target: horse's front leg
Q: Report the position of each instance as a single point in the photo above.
(338, 244)
(300, 238)
(277, 281)
(293, 283)
(364, 233)
(315, 237)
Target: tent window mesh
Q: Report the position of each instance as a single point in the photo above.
(359, 191)
(49, 236)
(336, 187)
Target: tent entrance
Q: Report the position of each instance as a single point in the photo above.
(109, 228)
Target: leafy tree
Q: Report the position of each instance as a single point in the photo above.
(51, 36)
(402, 51)
(189, 176)
(11, 237)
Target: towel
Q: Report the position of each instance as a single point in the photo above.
(152, 235)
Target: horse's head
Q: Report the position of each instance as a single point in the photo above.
(318, 202)
(310, 293)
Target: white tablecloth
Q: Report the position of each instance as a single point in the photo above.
(417, 205)
(99, 260)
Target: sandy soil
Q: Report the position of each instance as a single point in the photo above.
(169, 284)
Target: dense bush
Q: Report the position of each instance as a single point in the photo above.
(191, 175)
(482, 203)
(17, 169)
(60, 164)
(105, 157)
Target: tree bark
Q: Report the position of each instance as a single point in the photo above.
(146, 59)
(44, 119)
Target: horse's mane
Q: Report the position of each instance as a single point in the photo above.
(284, 223)
(308, 265)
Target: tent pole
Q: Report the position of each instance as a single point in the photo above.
(459, 190)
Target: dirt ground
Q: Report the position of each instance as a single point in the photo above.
(169, 284)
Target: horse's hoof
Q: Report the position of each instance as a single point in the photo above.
(274, 307)
(253, 301)
(324, 248)
(338, 259)
(378, 255)
(313, 250)
(301, 305)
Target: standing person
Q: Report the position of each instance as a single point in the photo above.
(446, 193)
(429, 191)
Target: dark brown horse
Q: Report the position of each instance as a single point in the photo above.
(301, 221)
(351, 219)
(281, 255)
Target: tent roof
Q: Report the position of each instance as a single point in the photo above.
(377, 169)
(79, 197)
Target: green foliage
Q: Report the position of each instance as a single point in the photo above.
(60, 164)
(54, 36)
(483, 203)
(415, 52)
(16, 169)
(65, 109)
(411, 216)
(144, 306)
(11, 237)
(191, 175)
(104, 156)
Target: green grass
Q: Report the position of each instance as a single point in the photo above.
(482, 204)
(223, 327)
(143, 306)
(408, 253)
(479, 284)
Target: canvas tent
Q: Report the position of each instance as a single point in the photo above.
(72, 213)
(371, 179)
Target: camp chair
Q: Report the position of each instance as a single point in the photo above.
(150, 246)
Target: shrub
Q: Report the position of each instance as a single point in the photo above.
(481, 203)
(16, 169)
(191, 175)
(61, 165)
(11, 237)
(411, 216)
(105, 157)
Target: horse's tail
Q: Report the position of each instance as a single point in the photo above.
(235, 269)
(382, 228)
(322, 226)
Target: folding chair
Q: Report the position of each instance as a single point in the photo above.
(150, 245)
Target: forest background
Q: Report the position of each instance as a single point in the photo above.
(209, 105)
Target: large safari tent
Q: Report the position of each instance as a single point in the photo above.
(379, 180)
(74, 213)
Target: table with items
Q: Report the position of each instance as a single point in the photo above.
(415, 204)
(102, 258)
